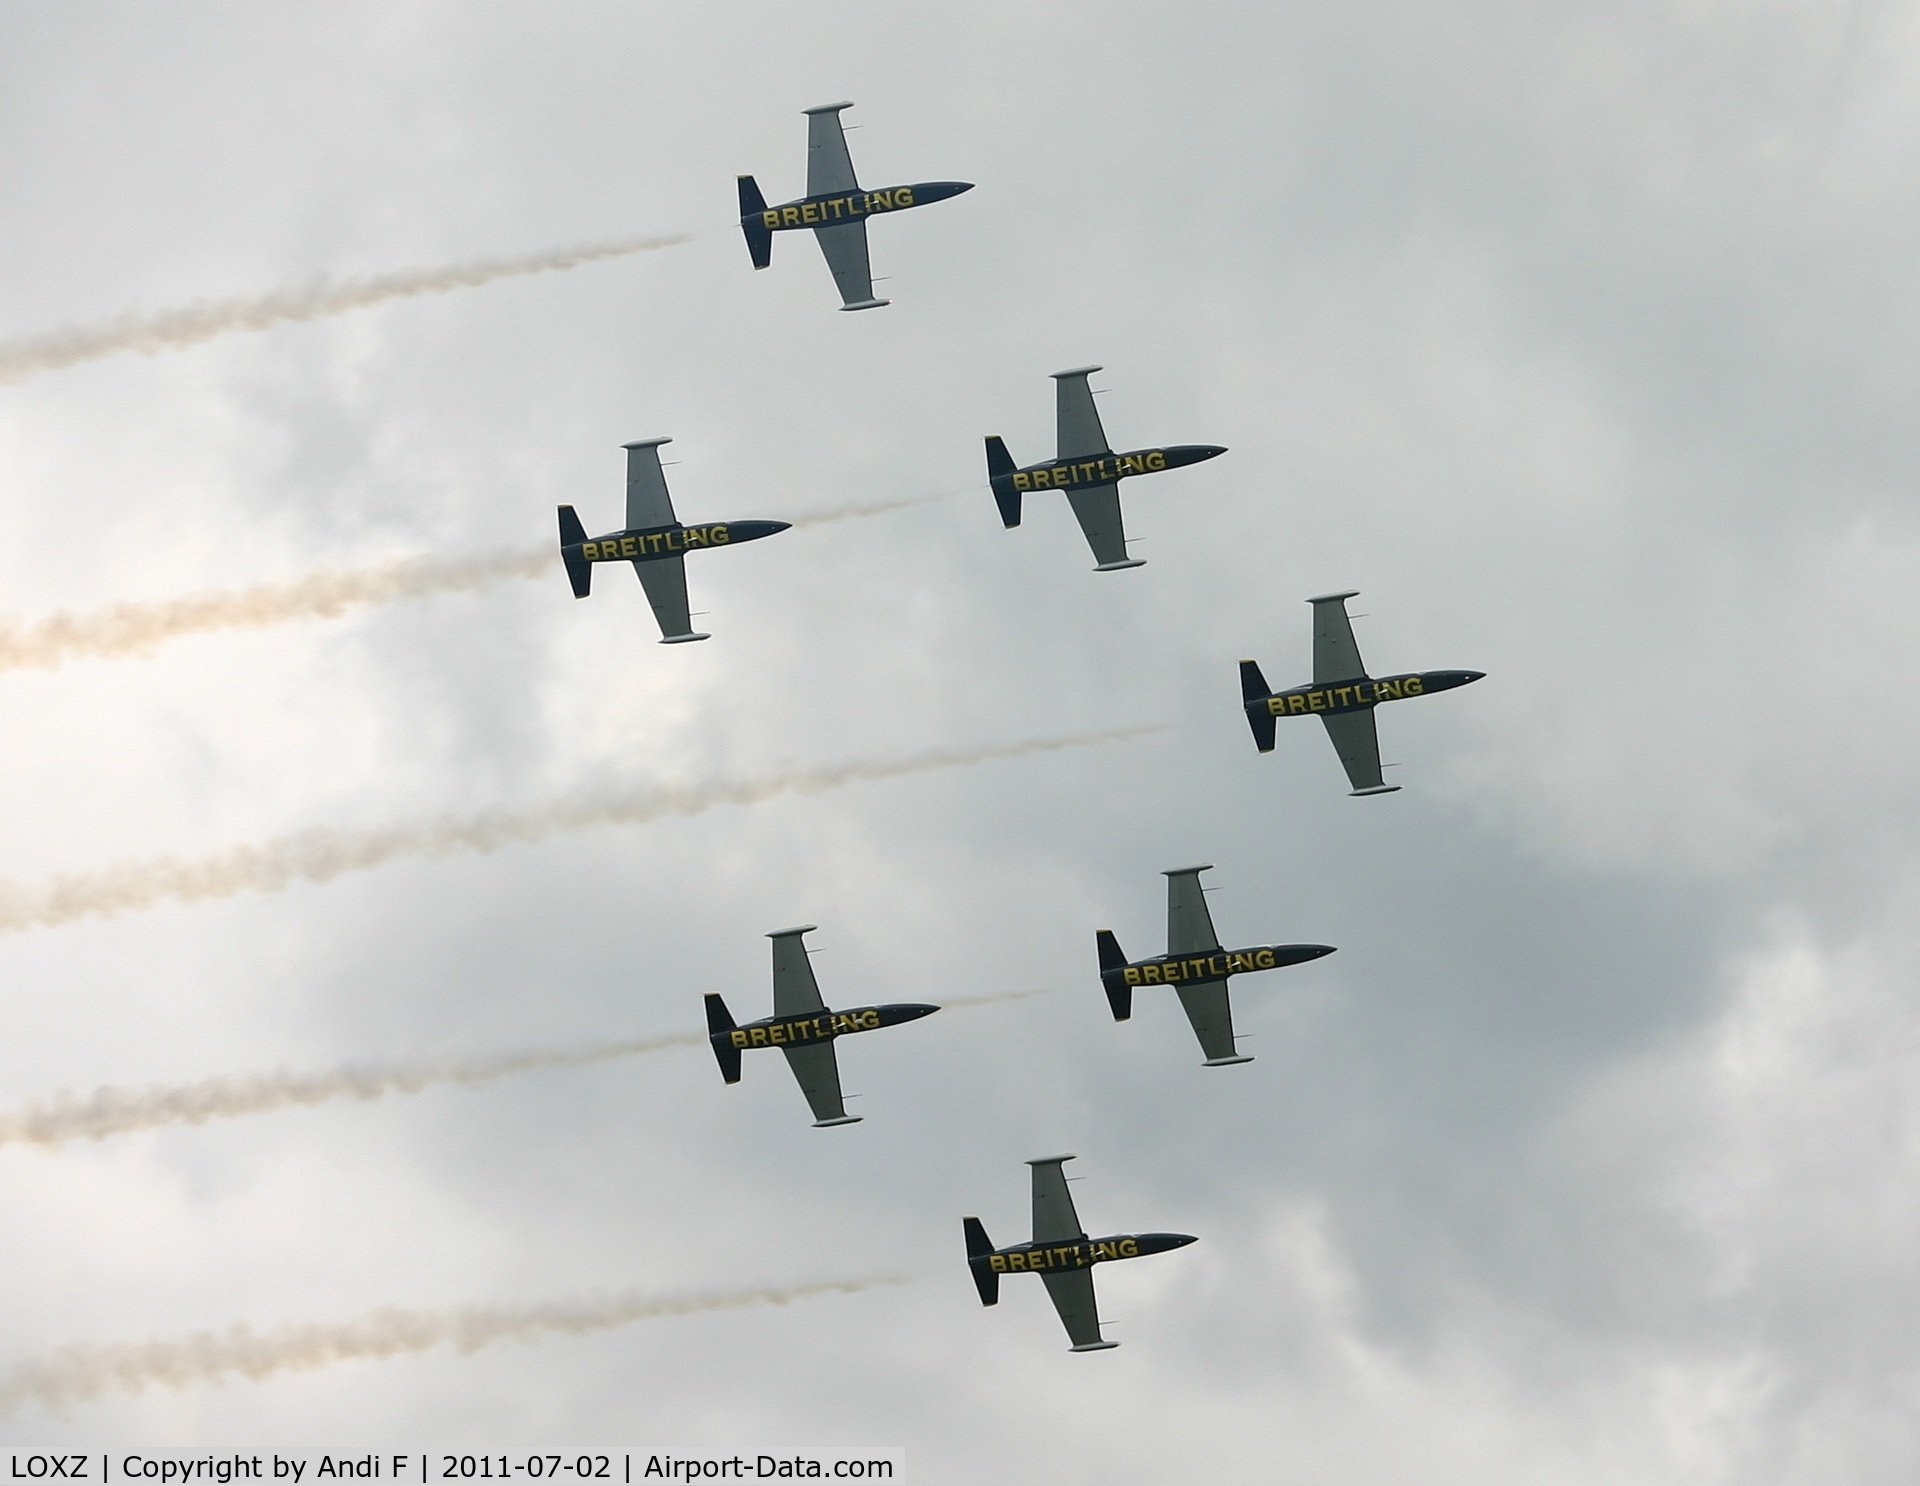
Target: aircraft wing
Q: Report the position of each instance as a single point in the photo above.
(1053, 1214)
(1189, 925)
(845, 247)
(1358, 744)
(818, 1072)
(665, 581)
(648, 503)
(1211, 1014)
(1097, 509)
(1335, 655)
(1071, 1291)
(794, 988)
(1079, 420)
(829, 166)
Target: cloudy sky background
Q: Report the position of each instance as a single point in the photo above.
(1580, 341)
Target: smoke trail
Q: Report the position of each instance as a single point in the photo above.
(175, 330)
(77, 1373)
(322, 854)
(116, 1111)
(138, 628)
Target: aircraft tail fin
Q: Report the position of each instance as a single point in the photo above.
(1254, 688)
(1000, 462)
(719, 1022)
(753, 223)
(579, 570)
(979, 1251)
(1112, 957)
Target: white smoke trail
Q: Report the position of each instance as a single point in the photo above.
(116, 1111)
(175, 330)
(322, 854)
(112, 1110)
(138, 628)
(77, 1373)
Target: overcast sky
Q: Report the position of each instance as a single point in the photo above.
(1580, 339)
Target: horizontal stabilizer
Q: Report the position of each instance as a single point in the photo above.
(845, 1119)
(1094, 1347)
(1114, 567)
(1378, 789)
(579, 570)
(720, 1022)
(867, 304)
(1228, 1062)
(1000, 463)
(1253, 685)
(686, 639)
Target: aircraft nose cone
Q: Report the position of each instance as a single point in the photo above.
(912, 1011)
(1473, 675)
(1321, 951)
(1181, 1240)
(1209, 451)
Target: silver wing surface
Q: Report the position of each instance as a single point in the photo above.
(1335, 655)
(648, 503)
(1071, 1291)
(1211, 1014)
(1097, 509)
(813, 1064)
(665, 581)
(1053, 1216)
(829, 166)
(1358, 744)
(1189, 925)
(1079, 429)
(794, 989)
(844, 246)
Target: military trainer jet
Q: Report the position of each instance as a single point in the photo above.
(1087, 469)
(654, 541)
(1195, 965)
(1342, 694)
(834, 207)
(1061, 1254)
(802, 1028)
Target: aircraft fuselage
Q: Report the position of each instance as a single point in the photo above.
(1078, 1253)
(655, 543)
(850, 206)
(819, 1026)
(1210, 965)
(1103, 469)
(1357, 694)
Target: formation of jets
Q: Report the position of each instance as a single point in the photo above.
(1088, 471)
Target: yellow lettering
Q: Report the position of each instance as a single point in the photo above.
(739, 1039)
(694, 536)
(1129, 1249)
(1296, 704)
(776, 1034)
(1041, 478)
(1342, 693)
(903, 196)
(627, 546)
(1414, 686)
(1016, 1260)
(1157, 460)
(790, 215)
(719, 535)
(998, 1263)
(759, 1036)
(1150, 974)
(809, 212)
(1317, 701)
(1060, 480)
(1263, 959)
(838, 205)
(672, 546)
(769, 219)
(1131, 465)
(1170, 972)
(1021, 481)
(870, 1020)
(1236, 963)
(1385, 691)
(1132, 975)
(590, 551)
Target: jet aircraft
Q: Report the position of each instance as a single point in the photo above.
(835, 208)
(1087, 469)
(1341, 694)
(1195, 965)
(1061, 1254)
(802, 1028)
(654, 541)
